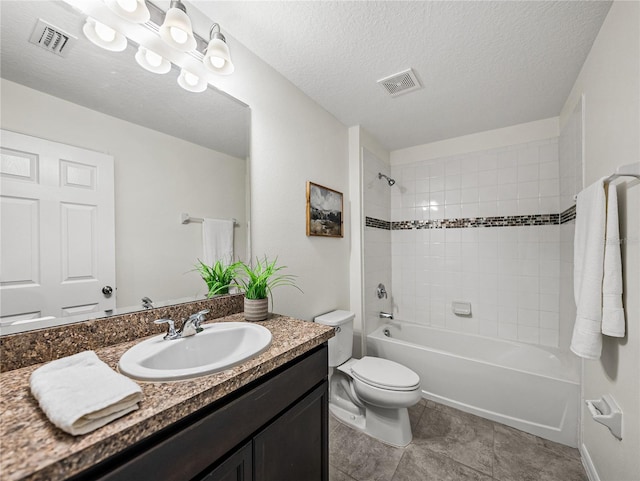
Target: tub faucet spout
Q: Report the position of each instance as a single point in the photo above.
(386, 315)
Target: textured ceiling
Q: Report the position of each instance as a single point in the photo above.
(113, 83)
(483, 64)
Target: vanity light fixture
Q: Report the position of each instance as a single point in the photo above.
(104, 36)
(133, 10)
(175, 32)
(176, 29)
(217, 57)
(191, 82)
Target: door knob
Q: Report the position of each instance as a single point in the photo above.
(107, 291)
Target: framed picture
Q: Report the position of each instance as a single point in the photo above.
(324, 211)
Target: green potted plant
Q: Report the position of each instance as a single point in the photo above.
(258, 282)
(218, 277)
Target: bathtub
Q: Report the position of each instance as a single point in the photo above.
(523, 386)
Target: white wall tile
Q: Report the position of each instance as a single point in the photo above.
(511, 275)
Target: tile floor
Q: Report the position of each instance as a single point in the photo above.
(450, 445)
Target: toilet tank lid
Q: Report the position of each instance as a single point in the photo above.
(335, 318)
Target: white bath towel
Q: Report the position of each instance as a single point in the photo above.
(588, 260)
(80, 393)
(612, 308)
(217, 241)
(589, 280)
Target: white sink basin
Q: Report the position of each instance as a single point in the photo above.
(218, 347)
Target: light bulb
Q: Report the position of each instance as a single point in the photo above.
(153, 58)
(191, 82)
(128, 5)
(179, 35)
(217, 62)
(191, 79)
(104, 32)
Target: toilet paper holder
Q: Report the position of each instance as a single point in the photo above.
(606, 411)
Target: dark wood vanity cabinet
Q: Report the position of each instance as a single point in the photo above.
(275, 429)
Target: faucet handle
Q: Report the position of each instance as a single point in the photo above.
(198, 318)
(200, 315)
(171, 329)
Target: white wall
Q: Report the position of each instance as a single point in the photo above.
(293, 140)
(156, 178)
(610, 80)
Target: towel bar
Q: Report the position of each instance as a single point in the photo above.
(627, 170)
(185, 219)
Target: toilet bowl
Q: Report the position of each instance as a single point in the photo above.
(370, 394)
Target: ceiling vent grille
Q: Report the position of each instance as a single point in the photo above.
(52, 38)
(400, 83)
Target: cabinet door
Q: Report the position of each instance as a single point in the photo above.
(237, 468)
(295, 446)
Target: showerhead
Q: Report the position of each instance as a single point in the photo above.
(390, 181)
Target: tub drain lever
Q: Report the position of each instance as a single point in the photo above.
(606, 411)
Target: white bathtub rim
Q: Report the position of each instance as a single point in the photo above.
(571, 374)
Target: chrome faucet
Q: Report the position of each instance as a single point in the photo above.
(386, 315)
(191, 326)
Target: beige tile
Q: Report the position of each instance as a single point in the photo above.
(336, 475)
(464, 438)
(420, 463)
(362, 457)
(416, 411)
(520, 456)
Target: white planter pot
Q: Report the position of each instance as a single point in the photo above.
(256, 309)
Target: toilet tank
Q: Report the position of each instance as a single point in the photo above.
(341, 345)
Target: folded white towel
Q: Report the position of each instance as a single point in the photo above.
(217, 241)
(588, 271)
(80, 393)
(612, 309)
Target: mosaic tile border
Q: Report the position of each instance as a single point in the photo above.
(377, 223)
(471, 222)
(568, 215)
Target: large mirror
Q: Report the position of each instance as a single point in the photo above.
(174, 152)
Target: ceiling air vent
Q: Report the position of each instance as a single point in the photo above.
(400, 83)
(52, 38)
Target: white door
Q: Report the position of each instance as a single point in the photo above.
(57, 240)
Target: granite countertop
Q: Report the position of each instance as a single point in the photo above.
(34, 449)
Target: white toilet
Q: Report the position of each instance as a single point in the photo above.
(370, 394)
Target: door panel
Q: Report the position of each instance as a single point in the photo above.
(57, 238)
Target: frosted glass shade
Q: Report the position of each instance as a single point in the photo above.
(104, 36)
(191, 82)
(217, 59)
(176, 30)
(151, 61)
(133, 10)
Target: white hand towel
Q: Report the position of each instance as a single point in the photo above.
(217, 241)
(612, 308)
(588, 271)
(80, 393)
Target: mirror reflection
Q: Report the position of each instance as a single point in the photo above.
(173, 152)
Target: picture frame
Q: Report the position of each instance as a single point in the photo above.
(325, 211)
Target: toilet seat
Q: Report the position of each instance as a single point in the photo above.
(384, 374)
